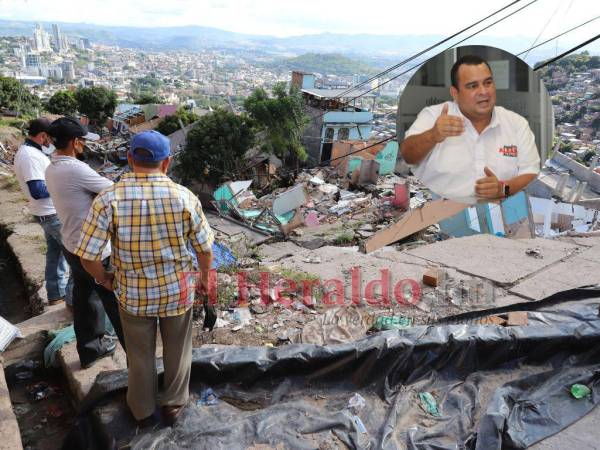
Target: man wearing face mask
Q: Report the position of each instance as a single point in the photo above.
(73, 185)
(30, 164)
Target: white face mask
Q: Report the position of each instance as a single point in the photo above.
(48, 150)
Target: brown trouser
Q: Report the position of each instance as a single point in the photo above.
(140, 338)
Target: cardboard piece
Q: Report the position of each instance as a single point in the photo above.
(416, 220)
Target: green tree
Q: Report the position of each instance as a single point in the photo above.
(97, 103)
(170, 124)
(281, 118)
(62, 102)
(146, 98)
(145, 85)
(16, 97)
(215, 148)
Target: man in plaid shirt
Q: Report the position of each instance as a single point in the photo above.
(149, 219)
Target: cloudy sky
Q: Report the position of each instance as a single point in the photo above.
(287, 18)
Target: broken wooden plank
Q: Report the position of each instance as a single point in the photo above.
(492, 320)
(415, 220)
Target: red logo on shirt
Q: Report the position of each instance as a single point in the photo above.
(509, 150)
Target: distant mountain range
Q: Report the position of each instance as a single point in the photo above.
(327, 63)
(377, 47)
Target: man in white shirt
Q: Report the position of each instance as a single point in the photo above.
(73, 186)
(471, 147)
(30, 165)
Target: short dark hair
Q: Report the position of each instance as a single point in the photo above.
(469, 60)
(62, 142)
(145, 154)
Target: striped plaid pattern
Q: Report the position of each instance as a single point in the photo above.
(149, 219)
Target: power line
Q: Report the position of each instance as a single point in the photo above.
(453, 45)
(559, 35)
(385, 72)
(347, 103)
(546, 25)
(556, 58)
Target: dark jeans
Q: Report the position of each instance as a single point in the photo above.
(88, 312)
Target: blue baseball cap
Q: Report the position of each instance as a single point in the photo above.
(154, 142)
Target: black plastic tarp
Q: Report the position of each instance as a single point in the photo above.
(495, 388)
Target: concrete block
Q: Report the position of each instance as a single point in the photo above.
(10, 436)
(574, 272)
(35, 333)
(501, 260)
(80, 380)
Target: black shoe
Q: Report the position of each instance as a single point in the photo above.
(109, 349)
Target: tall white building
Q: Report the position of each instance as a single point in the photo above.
(68, 69)
(60, 40)
(41, 39)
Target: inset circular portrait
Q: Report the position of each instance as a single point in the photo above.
(475, 122)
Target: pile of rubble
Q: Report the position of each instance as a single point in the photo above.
(318, 198)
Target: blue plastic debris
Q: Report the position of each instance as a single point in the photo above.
(207, 398)
(222, 256)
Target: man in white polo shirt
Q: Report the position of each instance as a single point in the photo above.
(30, 163)
(471, 147)
(73, 185)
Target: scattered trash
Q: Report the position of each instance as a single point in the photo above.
(41, 390)
(383, 323)
(241, 316)
(580, 391)
(360, 425)
(24, 376)
(356, 403)
(534, 253)
(221, 323)
(8, 332)
(429, 404)
(19, 410)
(315, 260)
(207, 398)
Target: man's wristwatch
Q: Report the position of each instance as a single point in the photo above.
(505, 188)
